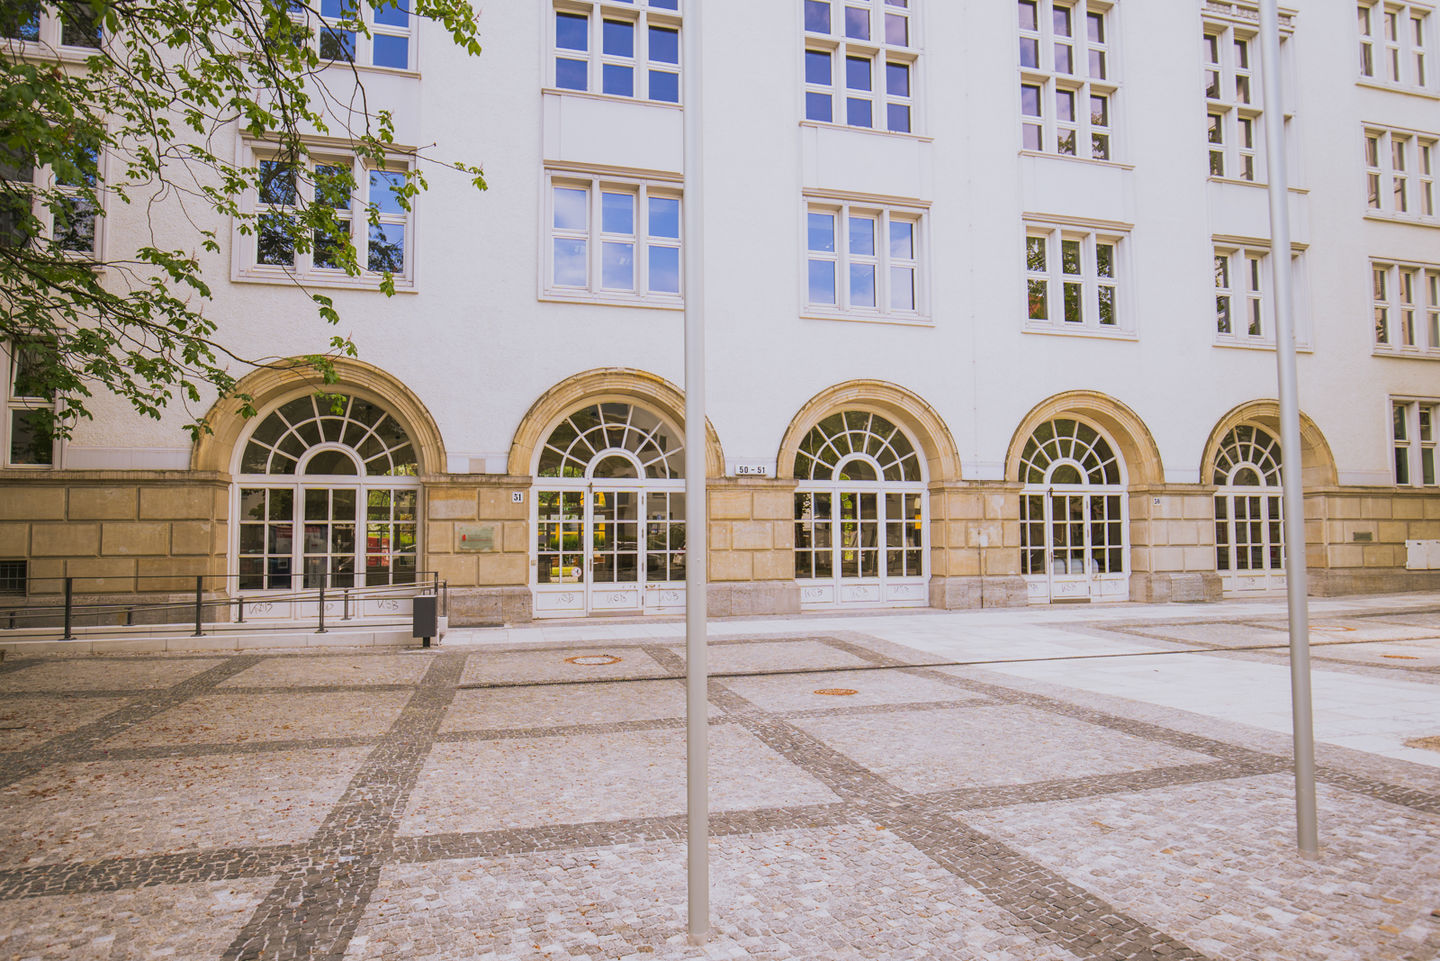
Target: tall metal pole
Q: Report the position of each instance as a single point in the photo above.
(697, 720)
(1294, 498)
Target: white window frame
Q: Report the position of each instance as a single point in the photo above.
(885, 261)
(1400, 167)
(17, 404)
(1231, 113)
(1240, 252)
(877, 49)
(643, 14)
(1046, 281)
(48, 41)
(1418, 420)
(594, 290)
(1397, 45)
(1044, 132)
(44, 178)
(1405, 308)
(319, 18)
(245, 265)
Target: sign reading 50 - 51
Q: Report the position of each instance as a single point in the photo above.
(752, 470)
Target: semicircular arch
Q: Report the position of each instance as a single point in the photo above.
(900, 406)
(598, 386)
(1136, 446)
(270, 386)
(1317, 463)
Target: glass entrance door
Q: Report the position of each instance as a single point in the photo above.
(608, 549)
(860, 548)
(1249, 550)
(1083, 557)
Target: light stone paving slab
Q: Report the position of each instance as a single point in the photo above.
(165, 921)
(549, 666)
(323, 670)
(104, 674)
(776, 656)
(241, 718)
(78, 811)
(28, 721)
(493, 785)
(1215, 865)
(797, 692)
(809, 894)
(564, 705)
(986, 745)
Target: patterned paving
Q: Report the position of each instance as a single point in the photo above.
(511, 803)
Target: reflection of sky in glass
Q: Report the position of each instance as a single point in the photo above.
(857, 73)
(862, 285)
(857, 112)
(897, 79)
(569, 262)
(572, 32)
(817, 16)
(617, 266)
(822, 231)
(817, 66)
(857, 23)
(619, 38)
(384, 187)
(902, 239)
(665, 4)
(618, 81)
(862, 236)
(335, 8)
(902, 288)
(665, 270)
(817, 107)
(570, 208)
(664, 45)
(664, 217)
(898, 117)
(394, 14)
(387, 248)
(664, 86)
(571, 74)
(391, 51)
(822, 282)
(1029, 100)
(617, 213)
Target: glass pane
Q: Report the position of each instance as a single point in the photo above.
(391, 51)
(862, 285)
(617, 270)
(570, 265)
(902, 288)
(817, 16)
(617, 213)
(665, 270)
(822, 282)
(393, 13)
(618, 80)
(822, 232)
(818, 106)
(664, 45)
(897, 30)
(1070, 256)
(857, 23)
(664, 86)
(857, 73)
(902, 240)
(571, 205)
(618, 38)
(857, 112)
(862, 236)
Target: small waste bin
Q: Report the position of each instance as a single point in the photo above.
(424, 618)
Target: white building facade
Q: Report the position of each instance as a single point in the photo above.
(989, 322)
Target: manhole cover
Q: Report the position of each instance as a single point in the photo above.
(1401, 657)
(592, 660)
(837, 691)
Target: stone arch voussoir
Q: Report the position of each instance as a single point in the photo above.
(901, 406)
(1317, 463)
(1136, 444)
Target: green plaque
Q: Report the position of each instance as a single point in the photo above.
(475, 538)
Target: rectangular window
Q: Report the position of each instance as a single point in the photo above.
(614, 240)
(1072, 278)
(57, 205)
(1244, 307)
(368, 206)
(630, 49)
(1400, 174)
(864, 260)
(14, 577)
(1413, 429)
(1067, 77)
(1405, 304)
(347, 31)
(860, 63)
(71, 28)
(1396, 44)
(29, 410)
(1234, 114)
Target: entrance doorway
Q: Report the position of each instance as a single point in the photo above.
(1249, 542)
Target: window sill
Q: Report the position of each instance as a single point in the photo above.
(900, 320)
(371, 68)
(1260, 184)
(1079, 330)
(281, 277)
(1234, 343)
(1381, 217)
(1088, 161)
(899, 134)
(609, 98)
(1406, 353)
(1373, 84)
(34, 50)
(615, 300)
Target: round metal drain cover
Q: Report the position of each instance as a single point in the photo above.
(592, 660)
(837, 691)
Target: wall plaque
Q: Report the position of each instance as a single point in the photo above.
(475, 538)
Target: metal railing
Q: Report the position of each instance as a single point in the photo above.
(223, 606)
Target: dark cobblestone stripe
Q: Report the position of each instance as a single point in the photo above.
(898, 707)
(84, 741)
(564, 730)
(319, 689)
(118, 874)
(1412, 798)
(313, 913)
(864, 653)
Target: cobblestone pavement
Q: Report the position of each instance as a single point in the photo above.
(869, 798)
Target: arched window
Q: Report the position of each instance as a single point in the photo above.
(327, 497)
(1249, 528)
(860, 515)
(610, 513)
(1072, 514)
